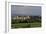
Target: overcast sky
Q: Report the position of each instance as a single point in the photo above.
(21, 10)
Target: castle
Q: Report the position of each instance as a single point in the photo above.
(22, 17)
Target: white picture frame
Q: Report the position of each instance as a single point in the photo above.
(8, 17)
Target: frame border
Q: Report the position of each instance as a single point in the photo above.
(8, 13)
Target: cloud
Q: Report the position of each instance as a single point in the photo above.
(25, 10)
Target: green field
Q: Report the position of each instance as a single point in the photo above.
(25, 25)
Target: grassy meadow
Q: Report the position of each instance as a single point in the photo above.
(28, 23)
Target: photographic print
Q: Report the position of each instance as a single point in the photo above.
(25, 16)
